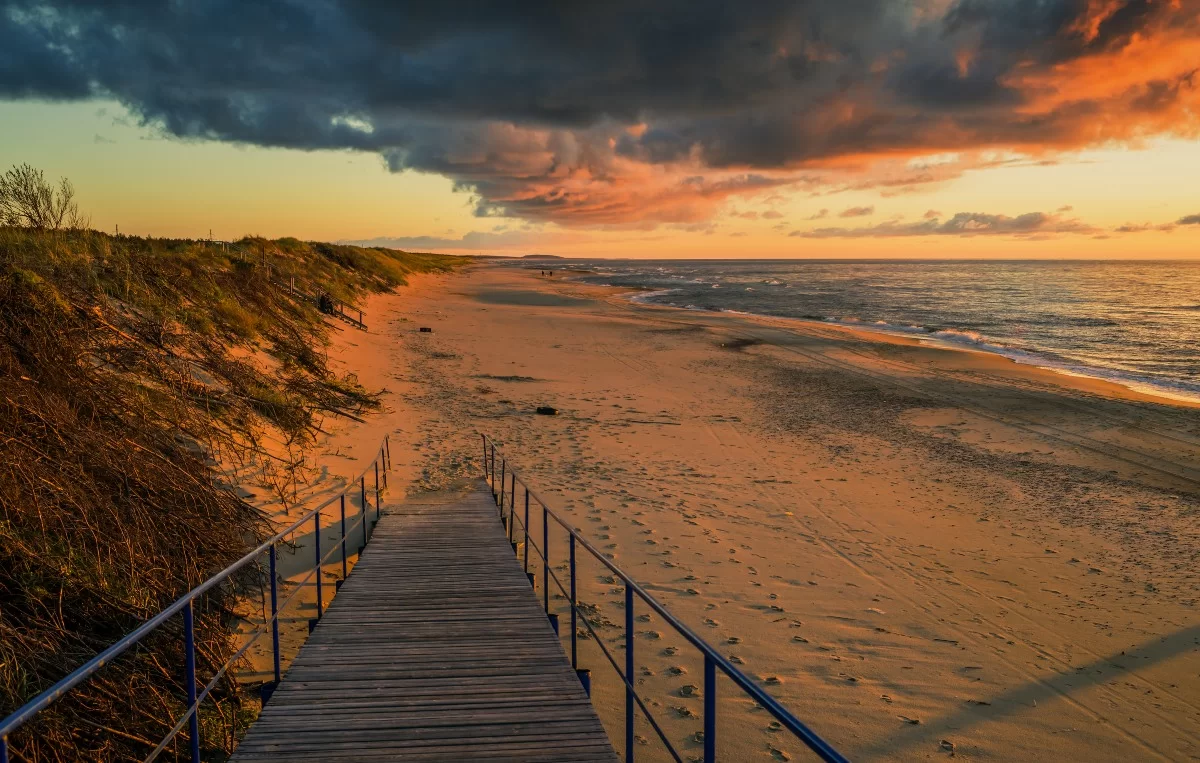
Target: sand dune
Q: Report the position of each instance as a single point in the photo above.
(923, 552)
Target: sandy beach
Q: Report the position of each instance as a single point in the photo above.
(923, 552)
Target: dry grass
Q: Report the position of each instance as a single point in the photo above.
(126, 365)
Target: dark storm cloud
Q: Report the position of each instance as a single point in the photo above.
(1188, 220)
(31, 67)
(587, 112)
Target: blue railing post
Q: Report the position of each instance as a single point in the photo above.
(526, 550)
(499, 495)
(545, 560)
(574, 646)
(185, 606)
(317, 543)
(362, 499)
(345, 566)
(503, 495)
(628, 672)
(493, 471)
(189, 657)
(378, 502)
(275, 617)
(710, 710)
(486, 472)
(512, 515)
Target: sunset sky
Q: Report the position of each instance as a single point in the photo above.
(827, 128)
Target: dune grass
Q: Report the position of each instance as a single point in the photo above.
(128, 368)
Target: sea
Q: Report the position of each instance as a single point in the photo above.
(1136, 323)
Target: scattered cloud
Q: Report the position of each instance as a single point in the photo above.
(1189, 220)
(1144, 227)
(474, 240)
(931, 214)
(820, 215)
(961, 224)
(772, 214)
(857, 212)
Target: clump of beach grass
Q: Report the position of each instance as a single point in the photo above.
(130, 367)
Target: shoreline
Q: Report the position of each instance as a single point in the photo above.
(877, 528)
(1151, 391)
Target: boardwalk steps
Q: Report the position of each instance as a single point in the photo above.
(435, 649)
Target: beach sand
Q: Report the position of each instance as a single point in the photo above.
(922, 552)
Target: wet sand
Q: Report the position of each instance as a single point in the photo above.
(923, 552)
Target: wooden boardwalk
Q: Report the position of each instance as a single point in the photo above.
(434, 649)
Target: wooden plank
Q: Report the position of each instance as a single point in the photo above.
(434, 649)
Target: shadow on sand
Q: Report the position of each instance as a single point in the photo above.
(1100, 671)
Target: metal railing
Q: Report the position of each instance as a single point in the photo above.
(184, 606)
(504, 490)
(338, 309)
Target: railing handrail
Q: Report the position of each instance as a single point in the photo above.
(23, 714)
(810, 738)
(236, 247)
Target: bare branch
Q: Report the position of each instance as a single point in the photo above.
(27, 200)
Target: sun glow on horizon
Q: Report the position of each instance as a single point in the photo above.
(133, 176)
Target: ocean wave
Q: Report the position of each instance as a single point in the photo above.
(1137, 374)
(1089, 322)
(974, 340)
(642, 297)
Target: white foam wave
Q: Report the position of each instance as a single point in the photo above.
(974, 340)
(960, 338)
(642, 297)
